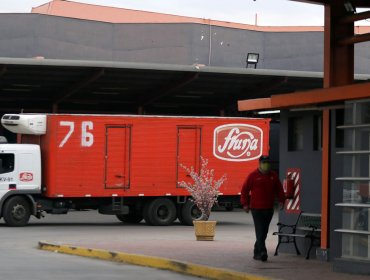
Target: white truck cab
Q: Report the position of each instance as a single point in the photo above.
(20, 167)
(20, 164)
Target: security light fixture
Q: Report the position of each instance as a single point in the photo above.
(349, 7)
(252, 60)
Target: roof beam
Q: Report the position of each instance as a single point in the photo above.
(356, 3)
(355, 39)
(312, 97)
(269, 85)
(261, 88)
(321, 2)
(165, 91)
(77, 86)
(355, 17)
(3, 70)
(254, 104)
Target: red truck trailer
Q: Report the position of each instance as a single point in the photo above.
(128, 166)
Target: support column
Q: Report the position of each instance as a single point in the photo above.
(325, 182)
(338, 71)
(338, 57)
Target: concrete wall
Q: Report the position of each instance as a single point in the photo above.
(30, 35)
(307, 160)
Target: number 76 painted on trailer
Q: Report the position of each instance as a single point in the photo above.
(87, 137)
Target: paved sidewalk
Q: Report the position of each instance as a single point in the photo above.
(231, 250)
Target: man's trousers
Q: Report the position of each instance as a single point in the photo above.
(262, 219)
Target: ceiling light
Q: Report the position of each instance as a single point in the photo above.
(187, 96)
(200, 92)
(17, 89)
(114, 88)
(25, 85)
(105, 92)
(269, 112)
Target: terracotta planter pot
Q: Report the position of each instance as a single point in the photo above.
(204, 230)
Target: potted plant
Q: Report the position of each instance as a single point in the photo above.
(204, 192)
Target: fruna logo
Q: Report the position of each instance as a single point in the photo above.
(237, 142)
(26, 176)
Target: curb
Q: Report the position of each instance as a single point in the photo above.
(149, 261)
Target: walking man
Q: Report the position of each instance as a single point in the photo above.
(258, 194)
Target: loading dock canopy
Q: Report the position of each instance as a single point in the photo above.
(46, 85)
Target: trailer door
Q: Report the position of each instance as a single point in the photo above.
(188, 151)
(117, 157)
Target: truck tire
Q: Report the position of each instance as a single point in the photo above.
(131, 218)
(189, 212)
(161, 212)
(16, 211)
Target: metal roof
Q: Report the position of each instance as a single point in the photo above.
(36, 85)
(357, 3)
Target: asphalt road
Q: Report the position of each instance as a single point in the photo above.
(21, 259)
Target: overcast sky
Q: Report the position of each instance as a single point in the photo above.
(269, 12)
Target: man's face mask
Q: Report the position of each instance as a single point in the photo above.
(265, 167)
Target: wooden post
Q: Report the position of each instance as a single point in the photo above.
(338, 71)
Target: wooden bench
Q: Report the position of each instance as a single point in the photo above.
(308, 225)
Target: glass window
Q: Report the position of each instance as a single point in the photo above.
(355, 246)
(363, 110)
(6, 163)
(355, 180)
(356, 192)
(295, 134)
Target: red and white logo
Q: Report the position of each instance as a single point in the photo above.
(26, 176)
(237, 142)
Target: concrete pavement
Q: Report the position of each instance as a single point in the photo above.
(229, 256)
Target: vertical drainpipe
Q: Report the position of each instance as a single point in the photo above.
(210, 42)
(49, 8)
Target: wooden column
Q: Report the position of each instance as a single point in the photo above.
(338, 57)
(338, 71)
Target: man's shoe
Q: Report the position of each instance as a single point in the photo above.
(263, 257)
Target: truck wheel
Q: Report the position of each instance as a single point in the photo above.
(131, 218)
(161, 212)
(16, 211)
(189, 212)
